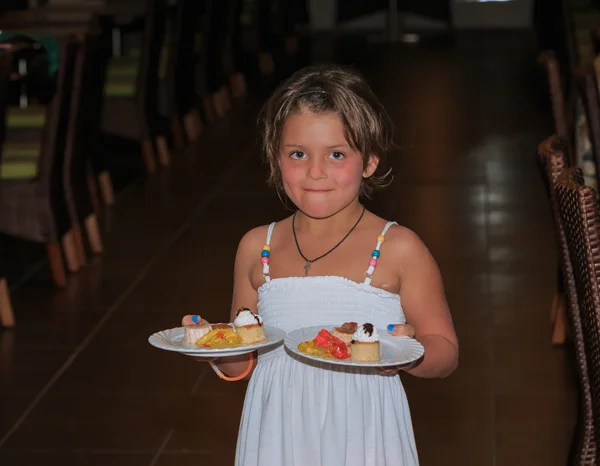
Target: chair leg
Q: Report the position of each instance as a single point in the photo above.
(70, 250)
(164, 155)
(225, 99)
(94, 198)
(559, 327)
(238, 85)
(106, 188)
(209, 110)
(7, 317)
(93, 234)
(218, 104)
(193, 125)
(555, 305)
(148, 154)
(266, 63)
(177, 131)
(57, 265)
(291, 45)
(79, 247)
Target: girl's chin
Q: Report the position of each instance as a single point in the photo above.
(320, 210)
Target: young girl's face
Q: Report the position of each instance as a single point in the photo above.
(321, 173)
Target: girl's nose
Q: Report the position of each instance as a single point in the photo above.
(317, 171)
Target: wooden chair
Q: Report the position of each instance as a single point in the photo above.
(178, 82)
(82, 136)
(7, 318)
(32, 201)
(579, 214)
(132, 84)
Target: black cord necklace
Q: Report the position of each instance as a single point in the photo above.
(310, 261)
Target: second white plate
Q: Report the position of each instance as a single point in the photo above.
(395, 351)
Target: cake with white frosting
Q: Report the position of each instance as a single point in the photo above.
(364, 346)
(249, 326)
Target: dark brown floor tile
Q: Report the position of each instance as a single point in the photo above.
(520, 367)
(68, 458)
(462, 441)
(469, 454)
(531, 456)
(11, 409)
(534, 410)
(114, 434)
(222, 458)
(528, 440)
(27, 371)
(128, 371)
(141, 408)
(220, 434)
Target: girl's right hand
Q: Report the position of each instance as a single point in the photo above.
(197, 320)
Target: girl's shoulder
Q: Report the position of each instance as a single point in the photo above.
(256, 238)
(405, 246)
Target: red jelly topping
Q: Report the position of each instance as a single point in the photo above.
(334, 346)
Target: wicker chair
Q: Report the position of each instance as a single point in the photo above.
(579, 215)
(552, 160)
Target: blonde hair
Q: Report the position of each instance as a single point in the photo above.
(330, 89)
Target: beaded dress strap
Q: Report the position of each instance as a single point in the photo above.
(266, 252)
(376, 253)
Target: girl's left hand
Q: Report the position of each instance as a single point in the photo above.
(399, 330)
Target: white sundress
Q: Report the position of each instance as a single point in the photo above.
(304, 413)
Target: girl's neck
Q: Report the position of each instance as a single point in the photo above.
(338, 223)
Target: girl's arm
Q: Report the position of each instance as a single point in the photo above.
(425, 306)
(244, 294)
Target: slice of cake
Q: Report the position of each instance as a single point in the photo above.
(249, 326)
(193, 333)
(365, 344)
(345, 332)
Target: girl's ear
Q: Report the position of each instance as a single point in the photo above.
(371, 166)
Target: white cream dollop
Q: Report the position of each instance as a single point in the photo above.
(363, 336)
(246, 318)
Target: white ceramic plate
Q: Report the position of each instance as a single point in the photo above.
(395, 351)
(172, 340)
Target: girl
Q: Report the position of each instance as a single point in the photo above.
(325, 138)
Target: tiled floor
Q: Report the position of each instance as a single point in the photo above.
(79, 384)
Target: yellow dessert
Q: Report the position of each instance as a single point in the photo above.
(220, 338)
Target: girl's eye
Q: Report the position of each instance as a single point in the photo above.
(297, 154)
(336, 155)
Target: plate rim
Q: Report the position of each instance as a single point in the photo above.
(384, 337)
